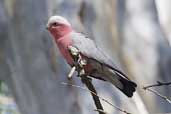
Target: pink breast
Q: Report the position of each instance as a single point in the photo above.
(63, 44)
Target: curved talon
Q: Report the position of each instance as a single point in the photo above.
(82, 72)
(83, 62)
(73, 50)
(79, 63)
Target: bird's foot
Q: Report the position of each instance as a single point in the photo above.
(71, 72)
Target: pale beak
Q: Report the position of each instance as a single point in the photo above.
(47, 26)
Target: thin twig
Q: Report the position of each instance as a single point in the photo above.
(121, 110)
(158, 84)
(158, 94)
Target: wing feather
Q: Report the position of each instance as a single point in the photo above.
(89, 49)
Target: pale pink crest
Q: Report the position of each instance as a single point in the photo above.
(58, 19)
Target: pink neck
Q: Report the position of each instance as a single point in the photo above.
(61, 32)
(61, 35)
(63, 43)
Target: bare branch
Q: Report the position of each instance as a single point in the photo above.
(158, 84)
(87, 82)
(116, 107)
(98, 110)
(158, 94)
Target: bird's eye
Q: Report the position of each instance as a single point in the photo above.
(55, 24)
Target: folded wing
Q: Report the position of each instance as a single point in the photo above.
(111, 73)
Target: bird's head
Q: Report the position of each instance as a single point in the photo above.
(58, 26)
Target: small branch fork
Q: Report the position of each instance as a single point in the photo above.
(158, 84)
(156, 92)
(79, 66)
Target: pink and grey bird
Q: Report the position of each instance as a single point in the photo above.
(99, 65)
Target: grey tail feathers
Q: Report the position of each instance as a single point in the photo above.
(129, 87)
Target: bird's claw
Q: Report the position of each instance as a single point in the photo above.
(79, 63)
(82, 72)
(71, 72)
(73, 50)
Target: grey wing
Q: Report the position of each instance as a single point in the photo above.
(111, 73)
(88, 48)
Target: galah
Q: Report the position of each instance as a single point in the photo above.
(99, 65)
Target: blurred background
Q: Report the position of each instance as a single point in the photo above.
(135, 33)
